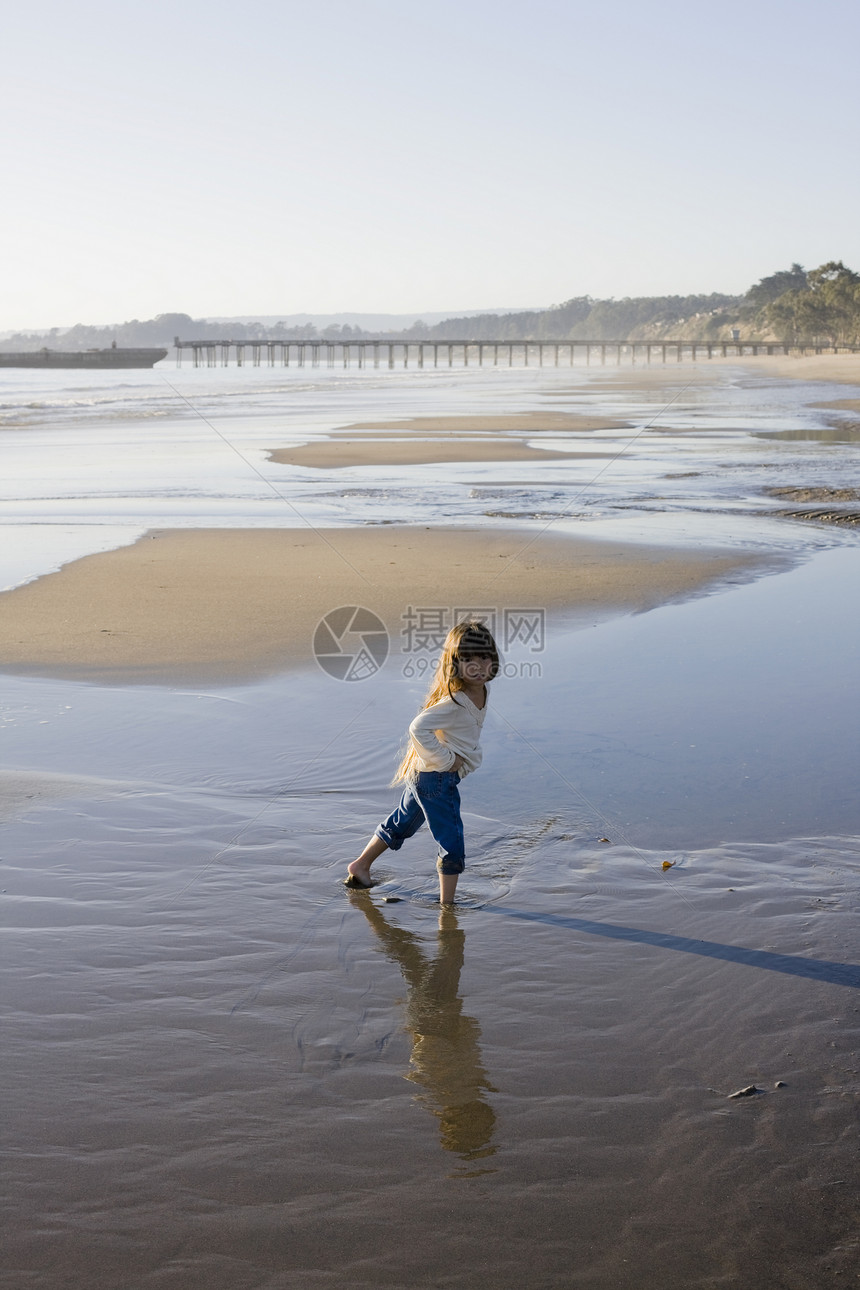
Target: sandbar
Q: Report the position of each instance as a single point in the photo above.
(427, 440)
(337, 453)
(844, 405)
(505, 423)
(209, 606)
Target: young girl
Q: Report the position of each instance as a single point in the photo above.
(443, 748)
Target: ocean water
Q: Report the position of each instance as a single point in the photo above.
(92, 462)
(223, 1070)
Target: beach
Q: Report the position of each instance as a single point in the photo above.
(222, 605)
(839, 368)
(225, 1070)
(421, 440)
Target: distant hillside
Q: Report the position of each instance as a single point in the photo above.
(383, 324)
(585, 319)
(162, 329)
(820, 305)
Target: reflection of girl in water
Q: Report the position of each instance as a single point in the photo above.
(444, 748)
(446, 1057)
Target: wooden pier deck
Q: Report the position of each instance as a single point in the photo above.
(329, 352)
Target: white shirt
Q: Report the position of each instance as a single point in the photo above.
(450, 729)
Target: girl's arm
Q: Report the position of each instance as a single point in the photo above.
(434, 753)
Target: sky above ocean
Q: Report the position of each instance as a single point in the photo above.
(380, 157)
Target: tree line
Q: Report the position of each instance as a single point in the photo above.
(821, 306)
(826, 306)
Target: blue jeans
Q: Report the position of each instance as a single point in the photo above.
(433, 796)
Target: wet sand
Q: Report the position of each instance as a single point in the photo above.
(228, 1073)
(505, 423)
(228, 605)
(845, 405)
(336, 453)
(225, 1072)
(23, 791)
(444, 439)
(842, 369)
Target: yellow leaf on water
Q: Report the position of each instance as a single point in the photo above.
(668, 864)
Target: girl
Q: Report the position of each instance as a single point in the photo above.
(443, 749)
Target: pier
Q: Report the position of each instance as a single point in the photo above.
(331, 352)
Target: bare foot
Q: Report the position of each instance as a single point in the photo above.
(359, 875)
(359, 870)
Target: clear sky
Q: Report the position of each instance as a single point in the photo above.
(218, 158)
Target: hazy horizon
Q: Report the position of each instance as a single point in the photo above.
(317, 319)
(380, 160)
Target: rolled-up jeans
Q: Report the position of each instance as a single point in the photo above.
(433, 796)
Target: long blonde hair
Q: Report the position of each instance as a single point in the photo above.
(465, 640)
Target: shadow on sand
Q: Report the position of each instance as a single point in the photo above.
(814, 969)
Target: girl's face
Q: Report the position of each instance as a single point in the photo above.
(477, 669)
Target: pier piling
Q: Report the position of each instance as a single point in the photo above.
(206, 353)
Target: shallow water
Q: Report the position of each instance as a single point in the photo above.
(223, 1070)
(104, 458)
